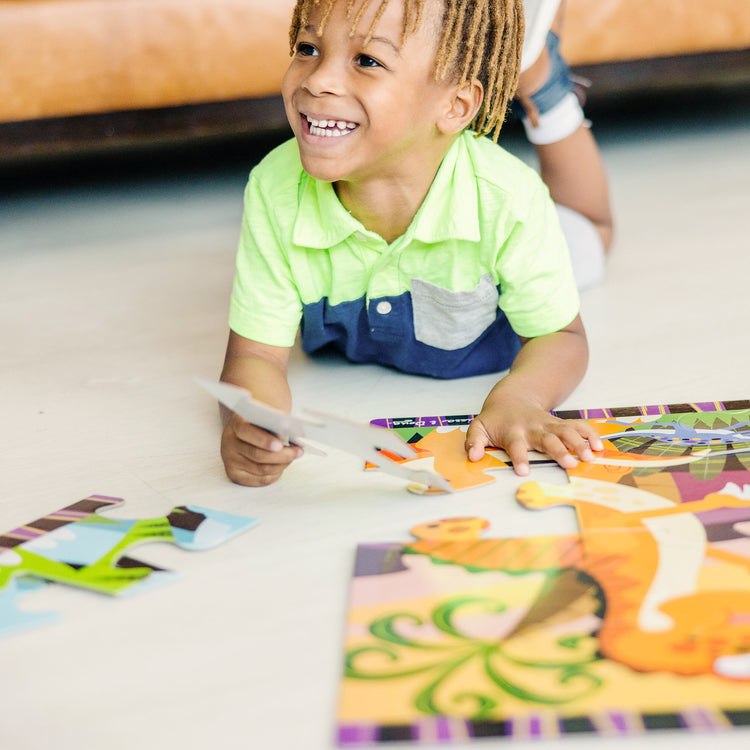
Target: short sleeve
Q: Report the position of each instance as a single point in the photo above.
(265, 304)
(538, 289)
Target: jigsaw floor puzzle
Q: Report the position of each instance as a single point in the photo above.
(639, 622)
(78, 547)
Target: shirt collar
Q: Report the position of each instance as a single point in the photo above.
(449, 211)
(322, 221)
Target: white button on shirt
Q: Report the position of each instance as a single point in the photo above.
(384, 307)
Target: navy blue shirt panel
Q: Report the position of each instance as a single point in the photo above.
(357, 329)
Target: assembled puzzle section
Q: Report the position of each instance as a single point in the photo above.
(665, 524)
(662, 456)
(78, 547)
(639, 622)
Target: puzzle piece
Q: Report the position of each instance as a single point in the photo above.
(439, 442)
(77, 547)
(459, 541)
(11, 617)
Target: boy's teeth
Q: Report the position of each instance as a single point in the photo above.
(330, 127)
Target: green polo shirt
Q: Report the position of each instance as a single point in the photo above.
(482, 262)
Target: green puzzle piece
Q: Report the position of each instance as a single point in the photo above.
(77, 547)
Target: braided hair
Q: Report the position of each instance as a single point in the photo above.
(480, 39)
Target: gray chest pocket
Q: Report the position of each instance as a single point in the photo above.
(452, 320)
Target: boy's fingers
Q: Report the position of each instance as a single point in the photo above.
(257, 436)
(265, 441)
(556, 449)
(518, 453)
(250, 465)
(594, 438)
(252, 456)
(476, 441)
(283, 457)
(576, 443)
(582, 439)
(255, 449)
(243, 466)
(251, 476)
(243, 470)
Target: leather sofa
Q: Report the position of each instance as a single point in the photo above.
(78, 74)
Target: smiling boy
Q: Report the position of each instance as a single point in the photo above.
(388, 230)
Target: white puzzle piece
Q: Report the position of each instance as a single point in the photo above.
(361, 440)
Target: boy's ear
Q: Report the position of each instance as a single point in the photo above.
(462, 108)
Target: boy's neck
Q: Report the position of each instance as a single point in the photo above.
(387, 204)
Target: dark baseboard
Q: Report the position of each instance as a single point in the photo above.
(631, 78)
(112, 132)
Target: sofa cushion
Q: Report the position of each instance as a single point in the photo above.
(67, 57)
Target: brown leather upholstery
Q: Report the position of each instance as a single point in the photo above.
(63, 57)
(597, 31)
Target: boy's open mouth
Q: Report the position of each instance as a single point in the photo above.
(329, 128)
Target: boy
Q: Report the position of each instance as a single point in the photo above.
(394, 234)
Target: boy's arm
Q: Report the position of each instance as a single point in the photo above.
(252, 456)
(516, 413)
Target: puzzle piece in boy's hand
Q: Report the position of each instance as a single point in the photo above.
(77, 547)
(382, 448)
(439, 442)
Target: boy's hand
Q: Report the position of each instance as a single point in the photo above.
(515, 415)
(253, 456)
(521, 427)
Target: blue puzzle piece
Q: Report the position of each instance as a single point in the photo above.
(77, 547)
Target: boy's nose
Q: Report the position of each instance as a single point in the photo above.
(325, 78)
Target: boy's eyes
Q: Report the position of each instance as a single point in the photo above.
(305, 49)
(365, 61)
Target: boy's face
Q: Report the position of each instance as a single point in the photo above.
(362, 111)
